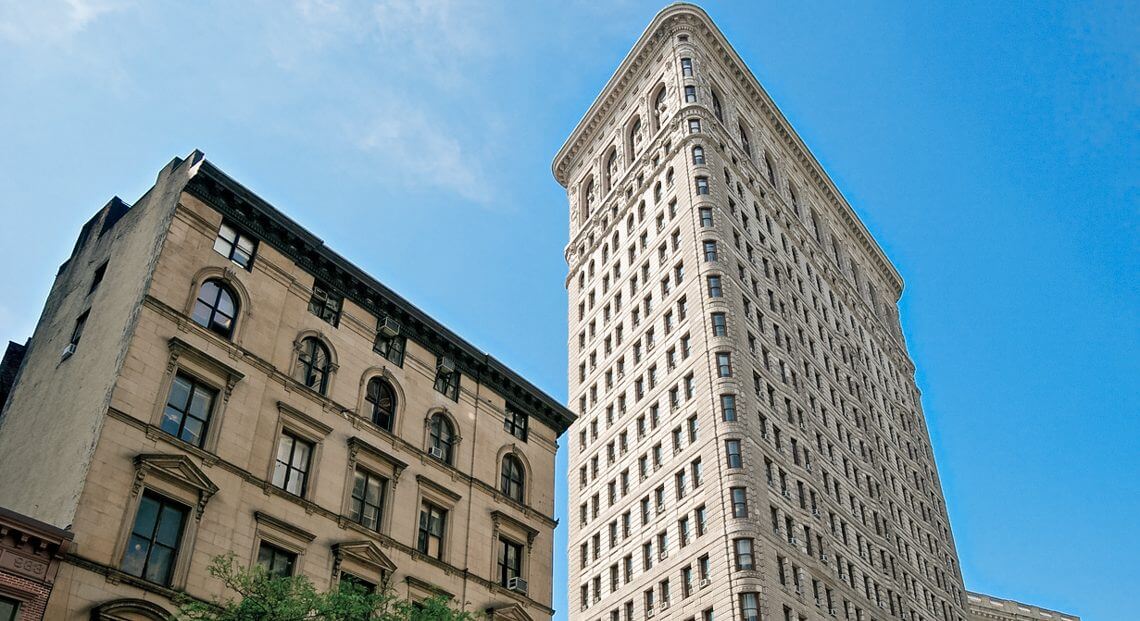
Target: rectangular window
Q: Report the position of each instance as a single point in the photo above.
(728, 407)
(96, 278)
(702, 185)
(153, 546)
(291, 471)
(732, 453)
(391, 346)
(9, 608)
(715, 290)
(694, 126)
(739, 502)
(188, 409)
(510, 561)
(706, 217)
(433, 519)
(723, 364)
(743, 552)
(368, 491)
(719, 325)
(277, 562)
(709, 250)
(235, 246)
(77, 331)
(687, 67)
(447, 378)
(515, 423)
(690, 94)
(749, 607)
(325, 304)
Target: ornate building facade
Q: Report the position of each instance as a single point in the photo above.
(208, 377)
(750, 442)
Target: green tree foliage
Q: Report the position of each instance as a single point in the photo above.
(260, 596)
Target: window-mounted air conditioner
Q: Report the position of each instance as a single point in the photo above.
(389, 327)
(517, 585)
(445, 365)
(67, 351)
(435, 452)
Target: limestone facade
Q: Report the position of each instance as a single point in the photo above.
(750, 442)
(208, 377)
(989, 608)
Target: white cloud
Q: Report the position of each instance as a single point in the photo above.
(51, 22)
(413, 147)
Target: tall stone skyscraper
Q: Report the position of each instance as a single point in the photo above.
(750, 441)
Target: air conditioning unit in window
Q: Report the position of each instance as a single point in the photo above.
(445, 365)
(665, 605)
(662, 555)
(785, 493)
(648, 613)
(704, 583)
(435, 452)
(823, 556)
(389, 327)
(793, 541)
(815, 512)
(516, 584)
(661, 507)
(67, 351)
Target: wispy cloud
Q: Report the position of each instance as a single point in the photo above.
(51, 22)
(410, 145)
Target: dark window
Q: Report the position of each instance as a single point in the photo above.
(391, 347)
(516, 423)
(714, 287)
(432, 522)
(442, 438)
(447, 379)
(687, 67)
(188, 409)
(215, 308)
(77, 332)
(325, 304)
(706, 217)
(356, 583)
(719, 325)
(690, 94)
(510, 560)
(717, 109)
(313, 364)
(732, 452)
(710, 250)
(97, 278)
(235, 246)
(9, 608)
(382, 399)
(694, 126)
(702, 185)
(291, 471)
(368, 492)
(153, 546)
(698, 155)
(276, 561)
(744, 141)
(513, 478)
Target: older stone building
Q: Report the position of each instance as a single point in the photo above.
(750, 441)
(989, 608)
(208, 377)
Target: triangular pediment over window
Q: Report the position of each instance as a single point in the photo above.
(177, 469)
(510, 612)
(364, 552)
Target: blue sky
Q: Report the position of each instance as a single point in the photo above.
(991, 148)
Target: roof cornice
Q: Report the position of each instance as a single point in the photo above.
(272, 227)
(664, 24)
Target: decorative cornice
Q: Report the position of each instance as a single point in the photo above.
(692, 17)
(250, 212)
(281, 525)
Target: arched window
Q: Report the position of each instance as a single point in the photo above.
(382, 399)
(744, 141)
(771, 169)
(442, 438)
(313, 364)
(717, 110)
(634, 137)
(513, 479)
(659, 107)
(698, 155)
(611, 169)
(215, 308)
